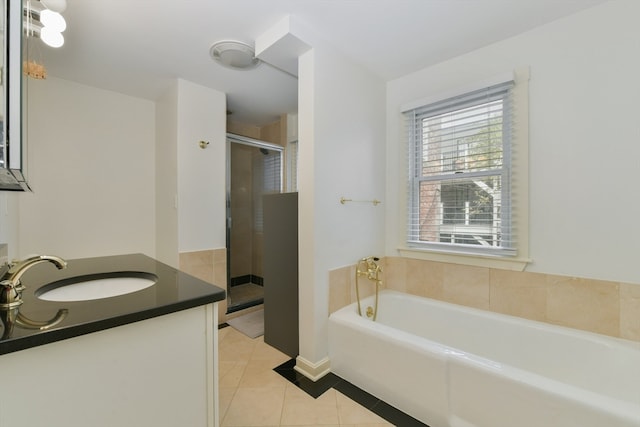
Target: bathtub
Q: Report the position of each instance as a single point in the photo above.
(449, 365)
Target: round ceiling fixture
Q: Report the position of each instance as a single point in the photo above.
(235, 55)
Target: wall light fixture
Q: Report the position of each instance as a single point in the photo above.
(42, 19)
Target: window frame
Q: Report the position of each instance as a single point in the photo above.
(514, 257)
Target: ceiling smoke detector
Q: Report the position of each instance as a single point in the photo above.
(235, 55)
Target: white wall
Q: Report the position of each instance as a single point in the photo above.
(584, 138)
(91, 168)
(341, 153)
(201, 172)
(8, 221)
(92, 163)
(167, 177)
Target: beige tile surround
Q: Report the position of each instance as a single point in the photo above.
(604, 307)
(210, 266)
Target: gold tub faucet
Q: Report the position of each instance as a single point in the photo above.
(372, 272)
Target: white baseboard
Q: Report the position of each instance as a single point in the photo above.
(313, 371)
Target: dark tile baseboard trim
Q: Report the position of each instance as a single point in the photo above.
(243, 305)
(375, 405)
(247, 278)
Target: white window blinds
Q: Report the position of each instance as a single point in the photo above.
(267, 179)
(292, 167)
(460, 172)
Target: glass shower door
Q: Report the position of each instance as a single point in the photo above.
(254, 168)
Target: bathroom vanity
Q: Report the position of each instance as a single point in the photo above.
(145, 358)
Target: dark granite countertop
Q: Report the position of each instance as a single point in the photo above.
(173, 291)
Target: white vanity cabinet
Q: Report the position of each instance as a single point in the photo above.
(159, 372)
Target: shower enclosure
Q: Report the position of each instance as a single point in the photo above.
(254, 168)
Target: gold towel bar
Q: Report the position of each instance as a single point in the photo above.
(375, 202)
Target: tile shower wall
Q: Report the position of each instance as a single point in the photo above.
(604, 307)
(241, 238)
(247, 242)
(210, 266)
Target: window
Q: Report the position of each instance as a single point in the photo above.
(292, 166)
(266, 179)
(460, 153)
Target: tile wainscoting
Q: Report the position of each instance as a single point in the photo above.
(211, 266)
(604, 307)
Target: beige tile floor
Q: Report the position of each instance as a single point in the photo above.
(241, 294)
(252, 394)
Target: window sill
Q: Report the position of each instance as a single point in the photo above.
(504, 263)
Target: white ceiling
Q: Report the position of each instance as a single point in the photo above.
(139, 47)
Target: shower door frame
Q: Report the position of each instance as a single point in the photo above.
(232, 138)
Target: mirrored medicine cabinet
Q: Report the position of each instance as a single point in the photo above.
(12, 176)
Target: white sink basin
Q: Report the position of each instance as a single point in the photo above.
(87, 288)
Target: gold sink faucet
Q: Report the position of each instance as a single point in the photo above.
(10, 287)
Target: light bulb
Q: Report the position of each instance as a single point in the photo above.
(55, 5)
(51, 37)
(53, 20)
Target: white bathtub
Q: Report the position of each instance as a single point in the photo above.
(449, 365)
